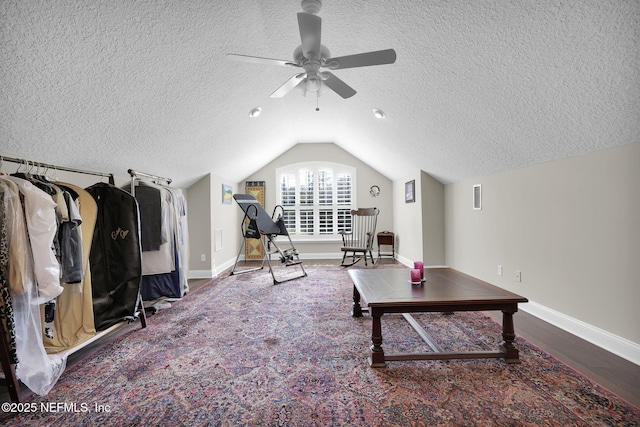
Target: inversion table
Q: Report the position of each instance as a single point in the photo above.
(257, 224)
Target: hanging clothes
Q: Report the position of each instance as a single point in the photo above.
(150, 202)
(8, 199)
(167, 285)
(66, 245)
(33, 226)
(44, 269)
(39, 209)
(115, 256)
(182, 236)
(161, 260)
(165, 270)
(74, 323)
(70, 239)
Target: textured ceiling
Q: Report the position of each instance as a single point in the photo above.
(479, 86)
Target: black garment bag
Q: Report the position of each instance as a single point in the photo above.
(115, 257)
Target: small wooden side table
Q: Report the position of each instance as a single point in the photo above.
(387, 238)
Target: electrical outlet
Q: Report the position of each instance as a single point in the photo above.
(499, 270)
(518, 276)
(203, 257)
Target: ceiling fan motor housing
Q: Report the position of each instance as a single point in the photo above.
(298, 55)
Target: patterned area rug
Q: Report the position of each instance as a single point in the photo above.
(241, 351)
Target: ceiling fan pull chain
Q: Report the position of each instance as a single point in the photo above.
(317, 95)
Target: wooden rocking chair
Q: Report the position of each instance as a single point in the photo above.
(361, 236)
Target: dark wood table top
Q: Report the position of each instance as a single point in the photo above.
(443, 286)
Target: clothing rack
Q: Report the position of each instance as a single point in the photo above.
(154, 178)
(136, 175)
(28, 163)
(10, 379)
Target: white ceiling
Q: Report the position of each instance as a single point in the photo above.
(479, 86)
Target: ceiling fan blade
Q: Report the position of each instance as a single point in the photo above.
(259, 60)
(378, 57)
(288, 85)
(338, 86)
(310, 34)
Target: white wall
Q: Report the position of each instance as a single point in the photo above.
(328, 152)
(419, 226)
(408, 220)
(432, 203)
(199, 220)
(206, 214)
(572, 227)
(224, 218)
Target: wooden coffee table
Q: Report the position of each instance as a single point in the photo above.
(444, 290)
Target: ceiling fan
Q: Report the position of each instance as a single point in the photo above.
(311, 56)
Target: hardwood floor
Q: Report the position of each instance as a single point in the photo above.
(613, 372)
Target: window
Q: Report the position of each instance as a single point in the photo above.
(317, 198)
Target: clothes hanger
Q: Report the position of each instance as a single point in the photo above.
(42, 175)
(53, 178)
(27, 175)
(20, 174)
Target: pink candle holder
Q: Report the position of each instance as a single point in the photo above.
(415, 276)
(419, 265)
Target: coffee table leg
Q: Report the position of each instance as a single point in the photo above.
(377, 353)
(511, 353)
(357, 309)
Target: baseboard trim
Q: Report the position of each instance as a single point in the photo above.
(409, 263)
(619, 346)
(225, 265)
(330, 255)
(404, 260)
(210, 274)
(275, 260)
(201, 274)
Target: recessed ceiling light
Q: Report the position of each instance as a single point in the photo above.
(378, 113)
(255, 112)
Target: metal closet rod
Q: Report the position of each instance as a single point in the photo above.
(50, 166)
(136, 173)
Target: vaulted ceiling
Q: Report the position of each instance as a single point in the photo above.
(478, 87)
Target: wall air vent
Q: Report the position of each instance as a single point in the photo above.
(477, 197)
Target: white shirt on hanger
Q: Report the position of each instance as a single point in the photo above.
(41, 223)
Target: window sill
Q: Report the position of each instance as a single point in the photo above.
(316, 239)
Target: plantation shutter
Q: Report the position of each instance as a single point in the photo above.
(317, 198)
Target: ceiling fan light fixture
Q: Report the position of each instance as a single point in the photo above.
(314, 83)
(255, 112)
(379, 114)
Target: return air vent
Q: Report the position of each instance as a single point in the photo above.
(477, 197)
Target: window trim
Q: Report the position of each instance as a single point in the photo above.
(337, 168)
